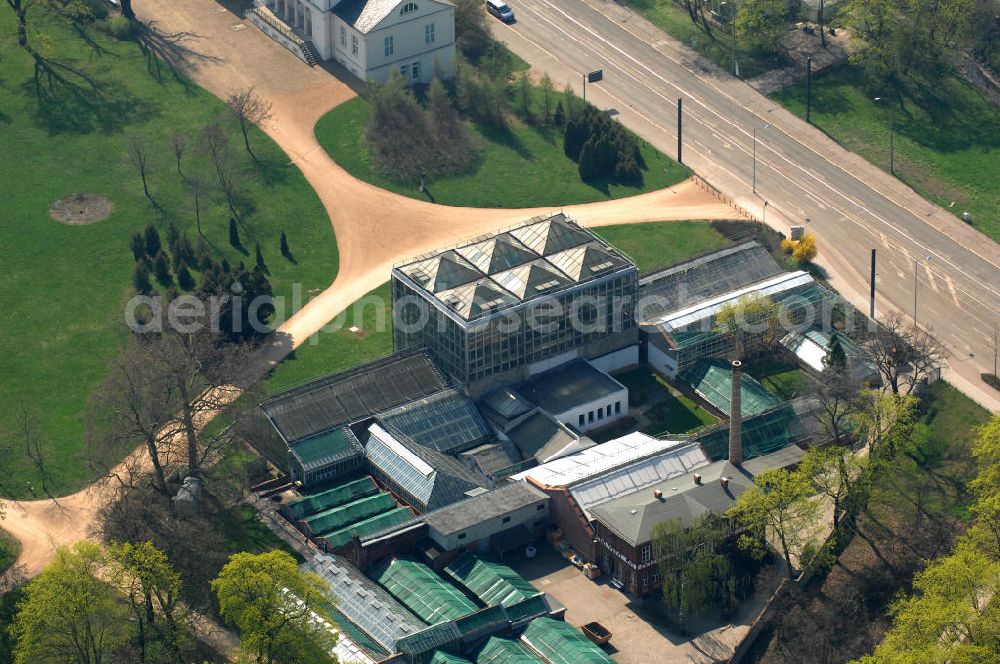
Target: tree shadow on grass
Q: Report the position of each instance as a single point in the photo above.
(72, 100)
(504, 136)
(272, 171)
(942, 121)
(175, 50)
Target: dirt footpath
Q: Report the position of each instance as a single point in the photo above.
(374, 228)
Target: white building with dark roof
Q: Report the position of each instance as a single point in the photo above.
(370, 38)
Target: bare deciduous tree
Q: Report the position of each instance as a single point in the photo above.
(220, 153)
(178, 142)
(138, 153)
(208, 375)
(136, 403)
(249, 109)
(35, 446)
(197, 186)
(839, 400)
(904, 354)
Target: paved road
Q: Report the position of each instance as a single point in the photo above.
(849, 204)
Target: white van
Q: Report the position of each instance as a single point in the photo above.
(500, 9)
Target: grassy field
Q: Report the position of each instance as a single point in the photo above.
(10, 549)
(947, 139)
(780, 378)
(338, 348)
(522, 167)
(663, 243)
(64, 287)
(674, 20)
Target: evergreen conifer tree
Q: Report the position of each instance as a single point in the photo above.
(152, 239)
(161, 268)
(184, 278)
(138, 246)
(140, 278)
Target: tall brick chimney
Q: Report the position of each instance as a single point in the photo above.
(736, 416)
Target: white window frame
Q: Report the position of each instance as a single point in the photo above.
(390, 46)
(354, 44)
(415, 71)
(646, 553)
(429, 33)
(343, 36)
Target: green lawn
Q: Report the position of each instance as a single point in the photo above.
(243, 531)
(669, 410)
(673, 19)
(677, 414)
(64, 287)
(338, 348)
(947, 139)
(780, 378)
(663, 243)
(10, 549)
(522, 167)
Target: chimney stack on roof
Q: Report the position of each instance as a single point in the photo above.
(736, 416)
(697, 478)
(724, 481)
(657, 494)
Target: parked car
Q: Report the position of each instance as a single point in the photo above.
(500, 9)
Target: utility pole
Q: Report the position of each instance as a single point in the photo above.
(584, 87)
(871, 307)
(809, 89)
(892, 148)
(680, 126)
(755, 160)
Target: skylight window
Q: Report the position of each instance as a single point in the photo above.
(547, 285)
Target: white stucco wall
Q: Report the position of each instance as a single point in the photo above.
(408, 32)
(341, 52)
(619, 359)
(662, 362)
(592, 419)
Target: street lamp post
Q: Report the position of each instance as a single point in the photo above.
(892, 149)
(732, 30)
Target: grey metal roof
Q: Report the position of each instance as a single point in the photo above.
(484, 507)
(634, 516)
(492, 457)
(364, 15)
(568, 386)
(504, 406)
(501, 270)
(543, 438)
(342, 398)
(363, 602)
(446, 421)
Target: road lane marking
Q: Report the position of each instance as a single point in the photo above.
(861, 223)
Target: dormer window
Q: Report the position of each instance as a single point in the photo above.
(409, 7)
